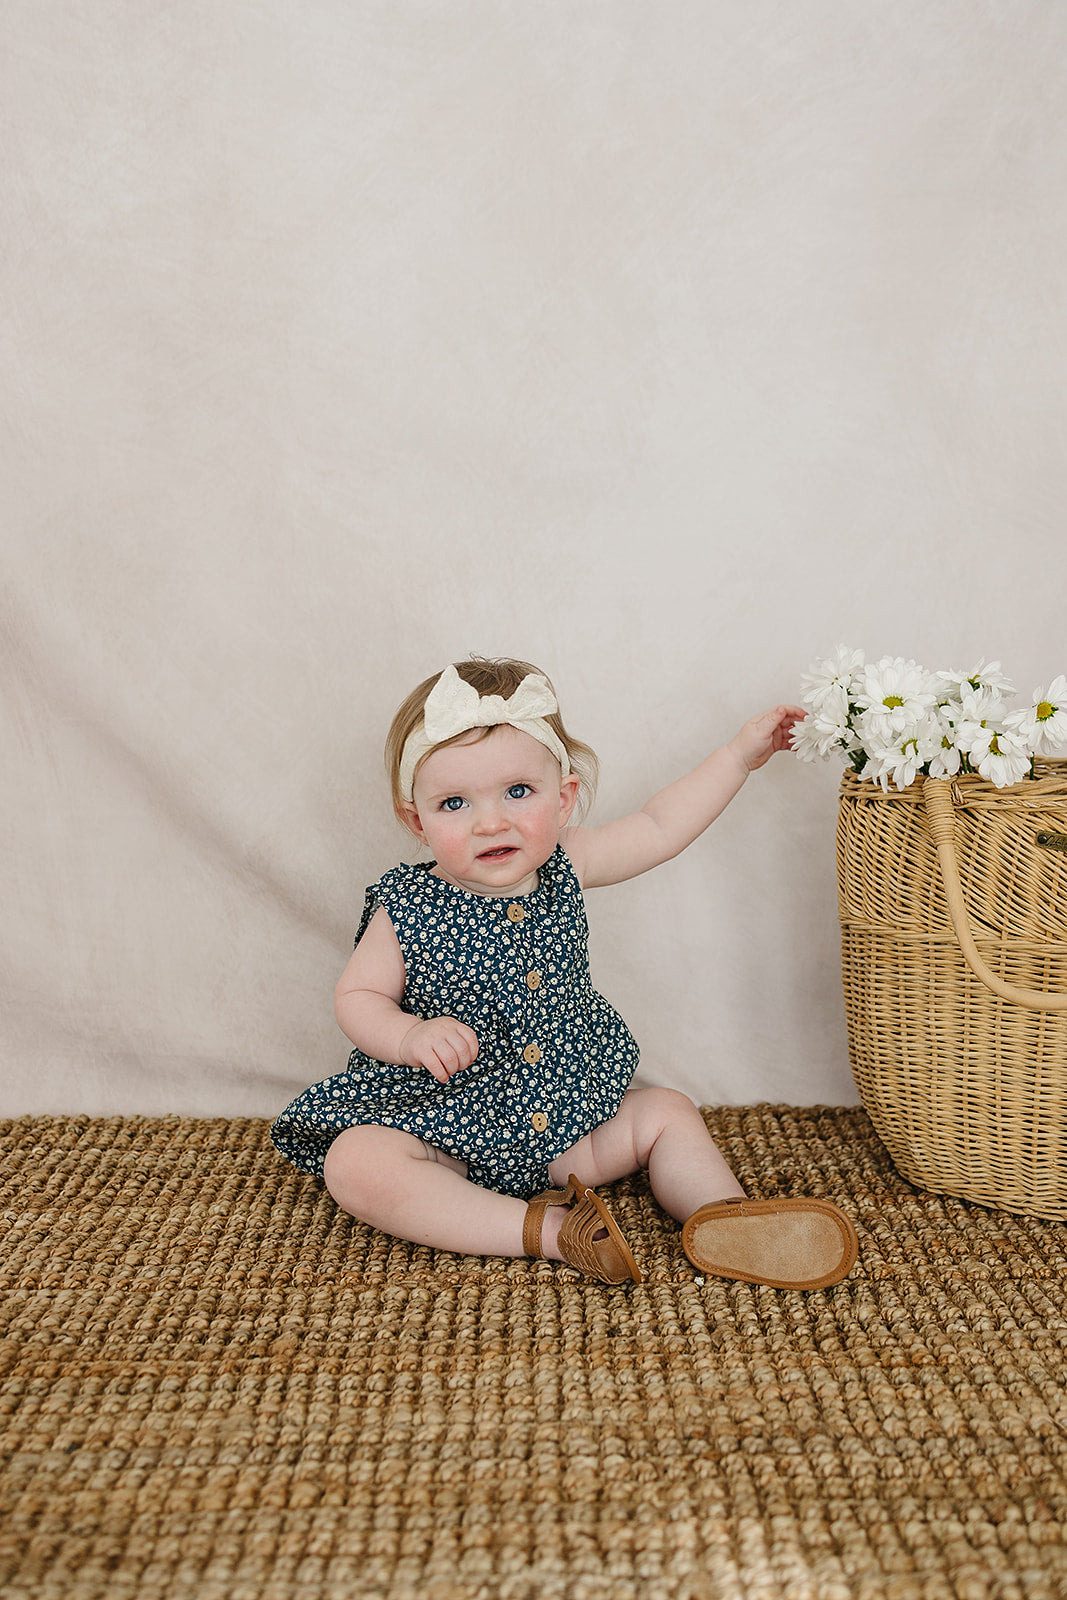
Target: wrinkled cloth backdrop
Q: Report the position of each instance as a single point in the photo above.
(665, 346)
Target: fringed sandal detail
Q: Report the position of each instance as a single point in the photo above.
(785, 1244)
(590, 1238)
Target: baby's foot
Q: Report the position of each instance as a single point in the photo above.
(587, 1236)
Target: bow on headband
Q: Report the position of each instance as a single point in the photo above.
(454, 706)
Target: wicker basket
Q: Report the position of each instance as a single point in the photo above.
(953, 901)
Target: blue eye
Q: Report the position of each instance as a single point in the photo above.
(519, 791)
(454, 802)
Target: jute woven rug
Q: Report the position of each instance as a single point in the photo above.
(215, 1385)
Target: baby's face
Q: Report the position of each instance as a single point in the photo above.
(490, 809)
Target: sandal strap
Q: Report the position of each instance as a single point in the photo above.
(533, 1221)
(607, 1257)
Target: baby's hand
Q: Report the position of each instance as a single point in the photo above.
(767, 733)
(443, 1046)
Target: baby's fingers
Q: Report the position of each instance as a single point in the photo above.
(459, 1050)
(466, 1046)
(452, 1047)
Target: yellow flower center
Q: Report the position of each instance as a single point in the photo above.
(1044, 711)
(994, 748)
(892, 701)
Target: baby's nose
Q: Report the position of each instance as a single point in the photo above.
(490, 820)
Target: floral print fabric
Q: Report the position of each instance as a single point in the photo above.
(554, 1058)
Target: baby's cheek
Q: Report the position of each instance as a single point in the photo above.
(546, 835)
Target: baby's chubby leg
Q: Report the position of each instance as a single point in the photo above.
(788, 1244)
(660, 1129)
(395, 1182)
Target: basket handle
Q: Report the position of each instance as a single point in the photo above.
(942, 818)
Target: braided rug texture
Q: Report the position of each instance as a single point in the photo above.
(215, 1386)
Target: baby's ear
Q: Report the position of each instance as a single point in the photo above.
(409, 816)
(568, 797)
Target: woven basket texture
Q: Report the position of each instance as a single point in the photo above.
(968, 1089)
(216, 1386)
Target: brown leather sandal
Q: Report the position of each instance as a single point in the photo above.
(590, 1238)
(786, 1244)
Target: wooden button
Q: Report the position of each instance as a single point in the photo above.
(533, 980)
(539, 1122)
(532, 1054)
(515, 913)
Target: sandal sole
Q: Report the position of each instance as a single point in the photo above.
(783, 1244)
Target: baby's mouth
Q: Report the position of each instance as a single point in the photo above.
(498, 853)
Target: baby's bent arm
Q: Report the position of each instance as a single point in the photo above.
(367, 1007)
(681, 812)
(367, 999)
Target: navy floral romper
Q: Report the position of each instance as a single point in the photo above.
(554, 1058)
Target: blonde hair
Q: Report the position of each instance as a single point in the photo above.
(501, 677)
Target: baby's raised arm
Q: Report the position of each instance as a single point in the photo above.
(678, 814)
(367, 1007)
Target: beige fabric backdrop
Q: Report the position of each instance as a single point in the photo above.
(665, 345)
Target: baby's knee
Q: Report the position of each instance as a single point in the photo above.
(360, 1163)
(666, 1106)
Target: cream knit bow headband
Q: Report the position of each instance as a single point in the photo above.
(454, 706)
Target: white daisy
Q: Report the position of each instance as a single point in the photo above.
(977, 705)
(896, 692)
(824, 678)
(998, 752)
(945, 762)
(908, 755)
(1044, 725)
(985, 676)
(948, 686)
(831, 717)
(946, 758)
(806, 741)
(826, 730)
